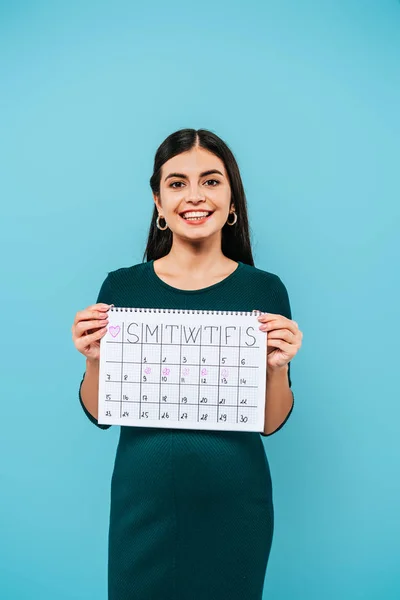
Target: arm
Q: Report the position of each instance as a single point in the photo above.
(279, 399)
(89, 386)
(89, 391)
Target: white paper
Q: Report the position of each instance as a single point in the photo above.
(186, 370)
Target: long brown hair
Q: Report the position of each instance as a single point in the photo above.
(235, 242)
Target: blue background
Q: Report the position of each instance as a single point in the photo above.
(307, 95)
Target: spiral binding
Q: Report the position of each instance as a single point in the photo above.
(187, 311)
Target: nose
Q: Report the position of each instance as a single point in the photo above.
(196, 197)
(195, 194)
(196, 202)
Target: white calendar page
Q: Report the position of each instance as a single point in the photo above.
(183, 369)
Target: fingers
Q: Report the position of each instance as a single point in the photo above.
(84, 326)
(282, 334)
(96, 311)
(85, 341)
(282, 324)
(277, 320)
(270, 322)
(284, 339)
(101, 306)
(281, 344)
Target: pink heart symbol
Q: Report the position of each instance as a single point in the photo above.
(114, 330)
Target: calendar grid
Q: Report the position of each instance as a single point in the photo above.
(237, 400)
(140, 389)
(159, 388)
(219, 371)
(227, 385)
(144, 379)
(180, 362)
(198, 394)
(177, 402)
(172, 344)
(136, 362)
(122, 371)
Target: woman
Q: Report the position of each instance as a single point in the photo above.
(191, 513)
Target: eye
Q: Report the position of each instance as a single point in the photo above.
(172, 185)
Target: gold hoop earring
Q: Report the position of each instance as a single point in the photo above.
(158, 223)
(234, 218)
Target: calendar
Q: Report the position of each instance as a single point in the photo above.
(183, 368)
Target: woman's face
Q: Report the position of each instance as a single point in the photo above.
(195, 205)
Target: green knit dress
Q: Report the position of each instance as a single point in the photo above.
(191, 515)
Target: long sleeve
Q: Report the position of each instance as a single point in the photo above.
(281, 293)
(104, 295)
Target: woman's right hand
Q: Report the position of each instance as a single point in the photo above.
(88, 328)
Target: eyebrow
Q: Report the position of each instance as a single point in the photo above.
(203, 174)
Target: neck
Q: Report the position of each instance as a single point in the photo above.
(196, 258)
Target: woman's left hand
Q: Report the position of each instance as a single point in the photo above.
(284, 339)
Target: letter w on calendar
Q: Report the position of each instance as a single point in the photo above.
(183, 369)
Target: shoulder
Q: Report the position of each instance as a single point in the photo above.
(257, 276)
(269, 292)
(130, 272)
(123, 278)
(121, 286)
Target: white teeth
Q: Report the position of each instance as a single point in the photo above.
(195, 215)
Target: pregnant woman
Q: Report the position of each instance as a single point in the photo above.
(191, 514)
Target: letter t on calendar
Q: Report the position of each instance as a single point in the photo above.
(183, 369)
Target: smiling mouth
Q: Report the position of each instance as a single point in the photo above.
(196, 215)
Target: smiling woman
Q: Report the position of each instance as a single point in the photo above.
(192, 513)
(196, 173)
(190, 196)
